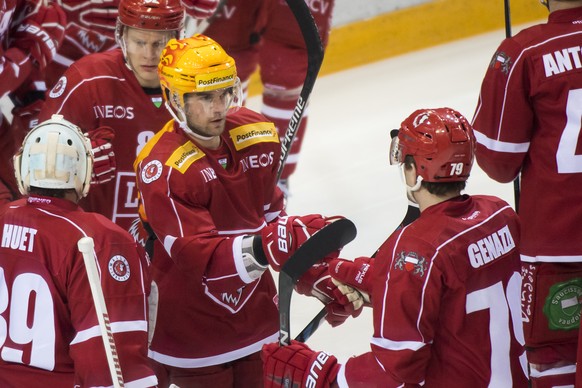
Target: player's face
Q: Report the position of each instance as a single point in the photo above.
(143, 49)
(206, 111)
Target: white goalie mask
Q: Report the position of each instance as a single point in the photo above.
(54, 155)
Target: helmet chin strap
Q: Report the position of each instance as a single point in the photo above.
(185, 126)
(412, 189)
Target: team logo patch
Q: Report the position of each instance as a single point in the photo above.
(501, 61)
(151, 171)
(411, 262)
(562, 306)
(59, 88)
(119, 268)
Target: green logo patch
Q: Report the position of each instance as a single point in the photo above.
(562, 306)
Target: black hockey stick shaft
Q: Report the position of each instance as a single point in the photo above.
(314, 59)
(507, 14)
(327, 240)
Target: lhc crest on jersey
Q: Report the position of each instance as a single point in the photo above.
(501, 61)
(119, 268)
(59, 88)
(411, 262)
(151, 171)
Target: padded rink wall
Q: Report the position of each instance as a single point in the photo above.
(415, 28)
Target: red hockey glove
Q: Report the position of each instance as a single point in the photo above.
(340, 305)
(25, 118)
(200, 9)
(297, 366)
(104, 158)
(282, 237)
(41, 34)
(356, 274)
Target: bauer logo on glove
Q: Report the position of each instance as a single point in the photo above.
(290, 232)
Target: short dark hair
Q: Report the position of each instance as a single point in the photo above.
(436, 188)
(55, 193)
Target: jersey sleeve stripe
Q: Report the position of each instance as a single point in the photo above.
(501, 146)
(116, 327)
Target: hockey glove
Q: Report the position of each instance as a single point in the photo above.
(25, 118)
(339, 304)
(282, 237)
(353, 274)
(104, 164)
(41, 34)
(200, 9)
(296, 365)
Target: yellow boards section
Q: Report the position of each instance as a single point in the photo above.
(415, 28)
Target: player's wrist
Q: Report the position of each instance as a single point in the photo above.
(253, 257)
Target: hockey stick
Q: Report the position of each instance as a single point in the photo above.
(331, 238)
(507, 14)
(86, 246)
(412, 214)
(314, 59)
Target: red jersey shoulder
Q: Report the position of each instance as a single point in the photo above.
(242, 116)
(107, 64)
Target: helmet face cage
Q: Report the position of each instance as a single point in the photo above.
(441, 142)
(194, 65)
(54, 155)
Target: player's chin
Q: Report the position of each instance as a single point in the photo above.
(149, 73)
(216, 127)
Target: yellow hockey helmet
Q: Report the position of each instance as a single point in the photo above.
(193, 65)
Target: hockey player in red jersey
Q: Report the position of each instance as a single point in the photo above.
(50, 332)
(527, 122)
(116, 98)
(283, 66)
(239, 27)
(208, 185)
(267, 35)
(445, 289)
(90, 28)
(30, 34)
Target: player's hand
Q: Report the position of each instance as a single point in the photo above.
(340, 304)
(282, 237)
(296, 365)
(41, 34)
(357, 274)
(24, 118)
(104, 164)
(200, 9)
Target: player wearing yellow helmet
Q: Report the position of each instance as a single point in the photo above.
(208, 186)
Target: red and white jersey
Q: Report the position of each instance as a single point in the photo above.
(100, 90)
(15, 65)
(237, 27)
(282, 26)
(90, 29)
(200, 203)
(446, 299)
(238, 24)
(528, 120)
(50, 336)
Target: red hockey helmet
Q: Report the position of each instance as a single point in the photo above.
(160, 15)
(440, 140)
